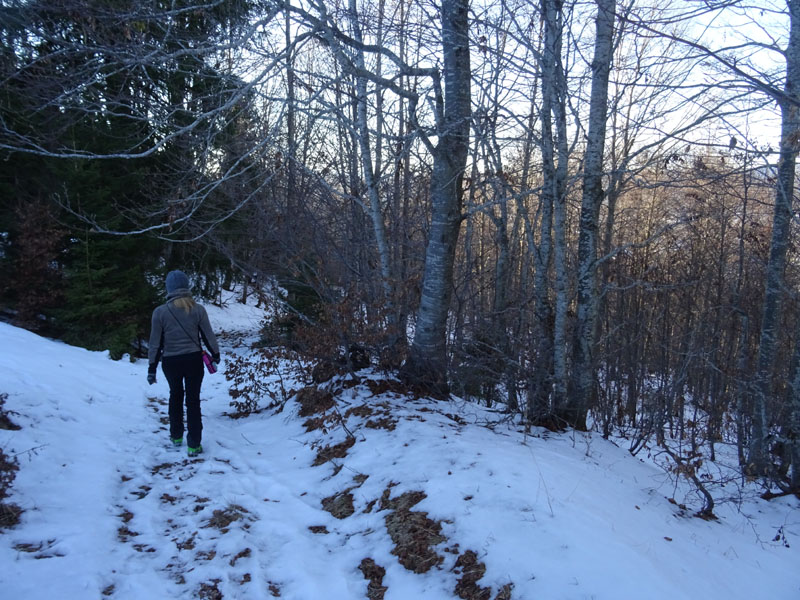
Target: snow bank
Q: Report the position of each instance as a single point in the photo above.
(111, 510)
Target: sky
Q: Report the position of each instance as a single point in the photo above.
(112, 510)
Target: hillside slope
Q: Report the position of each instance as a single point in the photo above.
(373, 494)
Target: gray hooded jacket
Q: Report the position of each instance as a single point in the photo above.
(175, 332)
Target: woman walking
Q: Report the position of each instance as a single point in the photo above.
(175, 336)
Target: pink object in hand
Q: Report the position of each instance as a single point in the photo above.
(212, 368)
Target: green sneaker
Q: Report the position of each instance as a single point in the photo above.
(177, 441)
(194, 451)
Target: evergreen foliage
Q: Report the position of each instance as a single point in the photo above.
(120, 84)
(108, 299)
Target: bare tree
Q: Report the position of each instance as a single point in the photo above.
(427, 361)
(581, 384)
(789, 103)
(742, 71)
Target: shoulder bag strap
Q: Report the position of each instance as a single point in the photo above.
(169, 308)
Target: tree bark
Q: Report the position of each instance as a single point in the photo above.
(369, 167)
(576, 406)
(781, 227)
(291, 116)
(427, 362)
(559, 95)
(549, 380)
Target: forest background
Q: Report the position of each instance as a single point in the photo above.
(580, 210)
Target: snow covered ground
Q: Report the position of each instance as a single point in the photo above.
(111, 510)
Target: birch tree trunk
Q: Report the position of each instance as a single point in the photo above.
(781, 227)
(559, 93)
(291, 118)
(575, 409)
(400, 202)
(549, 377)
(427, 362)
(540, 378)
(369, 167)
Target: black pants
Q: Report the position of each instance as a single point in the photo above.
(185, 372)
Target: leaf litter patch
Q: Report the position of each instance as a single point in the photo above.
(243, 554)
(313, 400)
(413, 533)
(363, 411)
(209, 590)
(39, 550)
(374, 574)
(415, 536)
(340, 505)
(318, 529)
(163, 467)
(222, 519)
(9, 513)
(5, 421)
(379, 387)
(387, 423)
(381, 413)
(328, 453)
(472, 570)
(315, 404)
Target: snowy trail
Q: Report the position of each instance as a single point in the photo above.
(167, 522)
(224, 520)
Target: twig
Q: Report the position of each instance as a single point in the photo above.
(707, 511)
(30, 450)
(341, 422)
